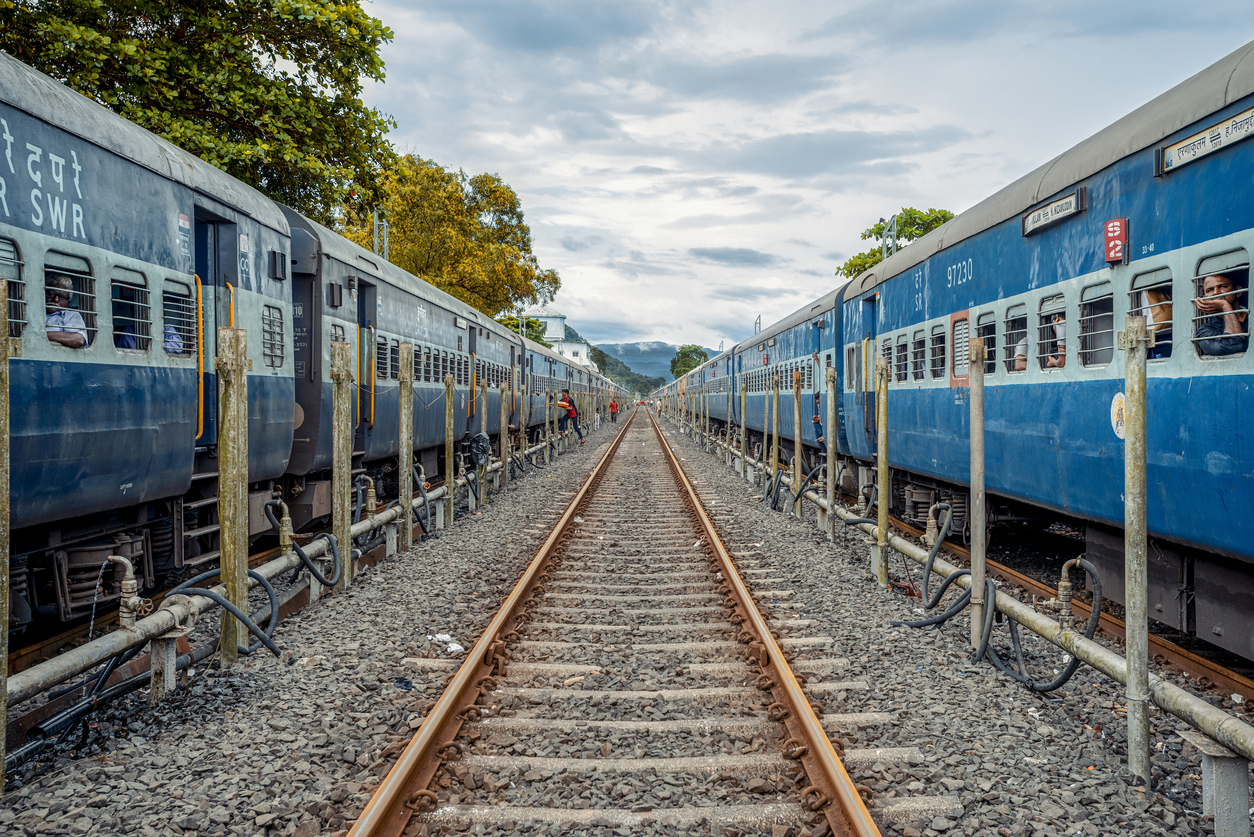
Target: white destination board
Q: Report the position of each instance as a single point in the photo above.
(1051, 213)
(1212, 139)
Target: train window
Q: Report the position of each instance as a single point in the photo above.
(1221, 310)
(178, 317)
(11, 270)
(938, 351)
(918, 355)
(961, 347)
(70, 293)
(381, 357)
(272, 335)
(986, 330)
(851, 366)
(132, 311)
(1015, 349)
(446, 368)
(395, 371)
(1150, 296)
(1051, 333)
(1097, 325)
(426, 364)
(417, 364)
(337, 334)
(886, 352)
(902, 367)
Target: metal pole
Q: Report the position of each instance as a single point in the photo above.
(405, 475)
(450, 475)
(1135, 544)
(975, 372)
(882, 503)
(744, 429)
(774, 425)
(796, 439)
(233, 482)
(6, 346)
(829, 434)
(342, 456)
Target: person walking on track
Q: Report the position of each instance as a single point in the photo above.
(614, 409)
(572, 415)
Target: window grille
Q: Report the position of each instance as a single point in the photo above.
(902, 367)
(381, 357)
(961, 347)
(938, 351)
(986, 330)
(1015, 349)
(1051, 333)
(395, 370)
(851, 366)
(272, 336)
(418, 367)
(132, 312)
(1150, 297)
(918, 355)
(11, 270)
(178, 317)
(337, 334)
(82, 292)
(1097, 325)
(886, 352)
(1229, 275)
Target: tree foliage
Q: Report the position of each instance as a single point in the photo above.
(911, 224)
(534, 327)
(689, 357)
(620, 373)
(270, 92)
(465, 235)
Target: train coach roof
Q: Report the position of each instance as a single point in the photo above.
(815, 309)
(1224, 82)
(42, 97)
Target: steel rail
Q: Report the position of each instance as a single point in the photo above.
(824, 768)
(403, 792)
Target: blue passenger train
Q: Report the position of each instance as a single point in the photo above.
(123, 255)
(1150, 216)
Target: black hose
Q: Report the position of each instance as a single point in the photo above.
(805, 484)
(472, 483)
(337, 564)
(235, 611)
(426, 502)
(271, 623)
(931, 555)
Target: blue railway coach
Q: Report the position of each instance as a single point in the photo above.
(123, 256)
(1150, 216)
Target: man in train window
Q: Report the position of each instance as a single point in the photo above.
(63, 325)
(1058, 358)
(1224, 325)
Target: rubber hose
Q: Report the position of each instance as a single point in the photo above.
(238, 614)
(472, 482)
(950, 611)
(805, 484)
(426, 502)
(271, 623)
(935, 550)
(337, 564)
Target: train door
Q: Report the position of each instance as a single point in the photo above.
(475, 377)
(867, 370)
(367, 324)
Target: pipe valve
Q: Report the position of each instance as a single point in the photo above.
(130, 604)
(1066, 617)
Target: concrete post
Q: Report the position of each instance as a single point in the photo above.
(1135, 545)
(450, 475)
(744, 430)
(481, 474)
(882, 503)
(975, 372)
(342, 456)
(796, 439)
(829, 436)
(232, 367)
(774, 425)
(162, 656)
(548, 424)
(766, 423)
(502, 439)
(7, 345)
(405, 474)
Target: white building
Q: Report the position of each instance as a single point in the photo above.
(555, 333)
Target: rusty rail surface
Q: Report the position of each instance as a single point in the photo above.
(830, 781)
(404, 791)
(1162, 650)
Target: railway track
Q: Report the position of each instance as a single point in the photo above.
(631, 679)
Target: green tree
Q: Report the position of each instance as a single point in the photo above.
(911, 224)
(270, 92)
(688, 357)
(465, 235)
(535, 328)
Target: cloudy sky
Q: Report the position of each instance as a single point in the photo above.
(687, 167)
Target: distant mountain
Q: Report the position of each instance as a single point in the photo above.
(648, 358)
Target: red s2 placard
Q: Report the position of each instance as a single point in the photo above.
(1117, 240)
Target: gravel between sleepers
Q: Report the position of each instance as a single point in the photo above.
(295, 747)
(1022, 763)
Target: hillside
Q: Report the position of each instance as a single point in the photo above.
(649, 358)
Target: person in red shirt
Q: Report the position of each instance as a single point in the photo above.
(614, 409)
(567, 403)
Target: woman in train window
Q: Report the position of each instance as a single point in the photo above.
(1156, 309)
(1223, 321)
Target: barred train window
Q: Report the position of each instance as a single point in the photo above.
(1150, 297)
(938, 351)
(1051, 333)
(11, 270)
(381, 357)
(986, 330)
(1219, 297)
(418, 364)
(1015, 349)
(395, 353)
(272, 335)
(132, 313)
(178, 316)
(961, 347)
(60, 270)
(337, 333)
(903, 358)
(1097, 325)
(918, 355)
(851, 366)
